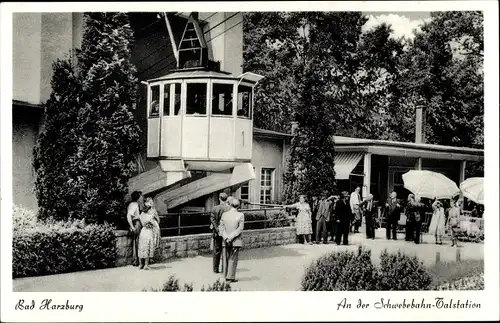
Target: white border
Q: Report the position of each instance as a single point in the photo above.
(254, 306)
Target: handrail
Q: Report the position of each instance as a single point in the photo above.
(247, 212)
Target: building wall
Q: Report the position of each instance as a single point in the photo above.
(25, 129)
(39, 40)
(267, 153)
(26, 56)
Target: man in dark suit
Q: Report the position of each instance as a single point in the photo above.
(343, 217)
(314, 209)
(369, 208)
(392, 215)
(215, 216)
(333, 223)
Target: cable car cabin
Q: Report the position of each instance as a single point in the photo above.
(201, 118)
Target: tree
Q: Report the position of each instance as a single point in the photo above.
(98, 166)
(109, 135)
(442, 70)
(57, 142)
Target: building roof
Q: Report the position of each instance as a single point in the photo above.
(407, 149)
(271, 134)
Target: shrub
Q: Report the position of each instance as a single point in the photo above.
(217, 286)
(23, 218)
(399, 271)
(277, 219)
(358, 274)
(467, 283)
(172, 285)
(323, 274)
(448, 272)
(59, 247)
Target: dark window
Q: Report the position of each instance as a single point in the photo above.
(244, 101)
(177, 98)
(196, 99)
(155, 101)
(245, 190)
(222, 99)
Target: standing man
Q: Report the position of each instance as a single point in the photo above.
(392, 214)
(343, 216)
(354, 202)
(333, 218)
(314, 209)
(134, 222)
(231, 228)
(419, 216)
(215, 216)
(369, 207)
(323, 217)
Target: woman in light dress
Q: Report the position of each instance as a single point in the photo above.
(150, 234)
(303, 222)
(437, 225)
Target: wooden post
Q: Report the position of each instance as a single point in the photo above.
(367, 167)
(418, 163)
(438, 257)
(265, 217)
(458, 255)
(178, 224)
(463, 165)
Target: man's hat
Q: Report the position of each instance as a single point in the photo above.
(345, 194)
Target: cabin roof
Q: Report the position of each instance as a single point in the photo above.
(195, 73)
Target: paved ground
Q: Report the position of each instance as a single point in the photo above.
(277, 268)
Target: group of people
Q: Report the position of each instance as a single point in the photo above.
(343, 214)
(145, 228)
(338, 215)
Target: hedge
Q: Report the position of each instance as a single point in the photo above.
(45, 248)
(349, 271)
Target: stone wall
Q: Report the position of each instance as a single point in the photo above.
(197, 244)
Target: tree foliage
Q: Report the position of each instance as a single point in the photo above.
(442, 70)
(95, 167)
(364, 83)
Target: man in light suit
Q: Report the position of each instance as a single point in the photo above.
(215, 216)
(231, 228)
(355, 202)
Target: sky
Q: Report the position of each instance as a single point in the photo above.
(402, 23)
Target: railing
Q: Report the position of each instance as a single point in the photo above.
(199, 222)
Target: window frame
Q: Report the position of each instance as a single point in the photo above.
(184, 94)
(233, 103)
(251, 87)
(150, 99)
(272, 182)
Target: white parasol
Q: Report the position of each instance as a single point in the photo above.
(429, 184)
(473, 189)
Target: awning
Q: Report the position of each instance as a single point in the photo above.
(345, 162)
